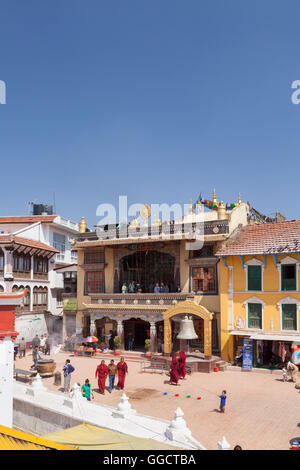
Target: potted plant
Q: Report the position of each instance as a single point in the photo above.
(147, 347)
(117, 343)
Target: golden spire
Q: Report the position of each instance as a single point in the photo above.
(240, 199)
(191, 207)
(214, 198)
(82, 225)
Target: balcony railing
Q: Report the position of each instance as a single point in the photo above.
(182, 230)
(167, 299)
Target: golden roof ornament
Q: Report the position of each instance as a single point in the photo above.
(82, 225)
(145, 213)
(240, 199)
(191, 207)
(214, 198)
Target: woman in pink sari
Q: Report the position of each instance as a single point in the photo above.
(174, 369)
(182, 371)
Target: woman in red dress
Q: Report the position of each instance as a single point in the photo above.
(174, 369)
(182, 359)
(102, 372)
(122, 371)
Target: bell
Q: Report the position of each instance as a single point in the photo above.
(187, 330)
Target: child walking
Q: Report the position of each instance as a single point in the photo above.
(222, 401)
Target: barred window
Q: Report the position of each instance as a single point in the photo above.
(94, 282)
(94, 257)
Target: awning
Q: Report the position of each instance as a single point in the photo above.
(285, 338)
(240, 333)
(89, 437)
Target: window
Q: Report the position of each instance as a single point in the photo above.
(40, 265)
(205, 252)
(21, 262)
(27, 297)
(40, 296)
(94, 257)
(59, 242)
(288, 277)
(289, 316)
(254, 315)
(254, 278)
(204, 279)
(94, 282)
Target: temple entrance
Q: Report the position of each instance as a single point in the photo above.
(104, 327)
(135, 332)
(148, 267)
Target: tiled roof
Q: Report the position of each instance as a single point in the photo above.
(30, 219)
(275, 238)
(13, 239)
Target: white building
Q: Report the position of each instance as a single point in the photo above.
(27, 260)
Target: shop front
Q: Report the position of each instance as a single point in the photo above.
(269, 351)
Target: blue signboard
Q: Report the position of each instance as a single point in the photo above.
(247, 354)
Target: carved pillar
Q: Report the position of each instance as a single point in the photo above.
(207, 338)
(120, 332)
(167, 336)
(153, 337)
(93, 329)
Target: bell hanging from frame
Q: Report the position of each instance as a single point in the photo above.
(187, 330)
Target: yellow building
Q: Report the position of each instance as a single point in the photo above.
(148, 256)
(260, 291)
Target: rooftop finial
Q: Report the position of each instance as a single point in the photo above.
(82, 225)
(214, 198)
(239, 199)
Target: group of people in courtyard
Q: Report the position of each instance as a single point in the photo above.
(102, 372)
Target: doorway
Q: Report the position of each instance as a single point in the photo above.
(137, 329)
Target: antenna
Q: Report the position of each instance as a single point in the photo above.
(54, 205)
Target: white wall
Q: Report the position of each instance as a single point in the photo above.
(6, 382)
(30, 325)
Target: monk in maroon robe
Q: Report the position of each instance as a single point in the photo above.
(102, 372)
(174, 369)
(182, 360)
(122, 371)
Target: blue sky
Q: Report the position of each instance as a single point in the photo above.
(157, 100)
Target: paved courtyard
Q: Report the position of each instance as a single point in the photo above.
(261, 410)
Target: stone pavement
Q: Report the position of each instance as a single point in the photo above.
(261, 410)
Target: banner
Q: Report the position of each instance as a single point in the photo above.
(247, 354)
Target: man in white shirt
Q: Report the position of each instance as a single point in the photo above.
(42, 343)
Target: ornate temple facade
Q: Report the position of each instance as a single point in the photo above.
(120, 271)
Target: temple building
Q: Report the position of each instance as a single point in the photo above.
(136, 281)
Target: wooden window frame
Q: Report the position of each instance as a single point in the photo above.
(94, 257)
(93, 285)
(200, 280)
